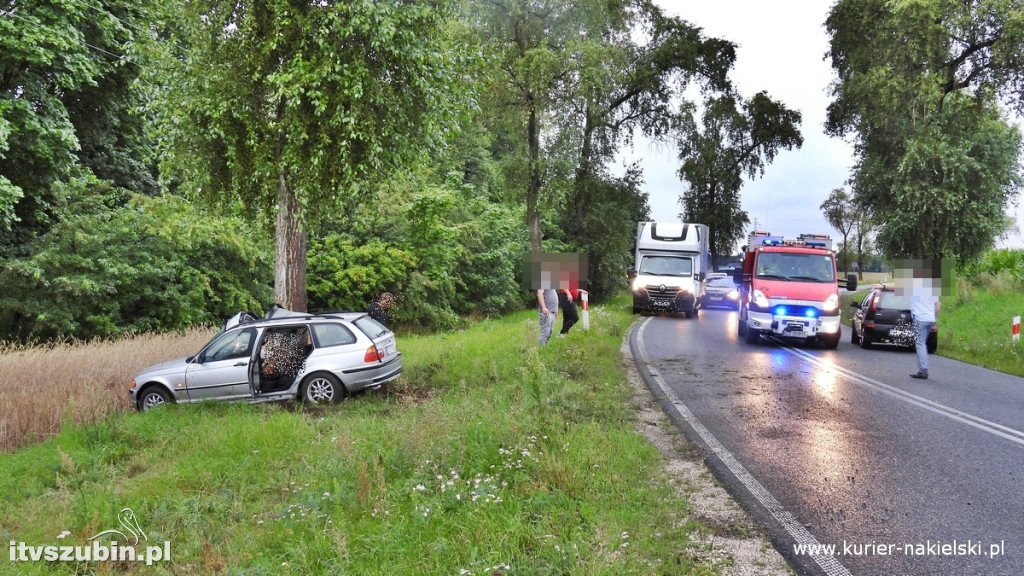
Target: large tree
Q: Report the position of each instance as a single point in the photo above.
(729, 139)
(919, 85)
(294, 109)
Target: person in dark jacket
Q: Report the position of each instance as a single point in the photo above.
(380, 308)
(567, 303)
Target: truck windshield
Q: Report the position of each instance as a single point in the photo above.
(666, 266)
(795, 267)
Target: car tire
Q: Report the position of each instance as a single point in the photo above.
(321, 388)
(153, 396)
(853, 336)
(751, 336)
(865, 342)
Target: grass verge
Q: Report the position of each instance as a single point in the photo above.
(489, 456)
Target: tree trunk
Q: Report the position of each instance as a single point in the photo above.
(533, 184)
(290, 250)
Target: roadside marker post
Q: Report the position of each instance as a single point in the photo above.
(586, 309)
(1016, 328)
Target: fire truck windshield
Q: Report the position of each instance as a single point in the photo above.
(795, 267)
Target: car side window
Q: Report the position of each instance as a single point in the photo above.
(332, 335)
(231, 345)
(867, 299)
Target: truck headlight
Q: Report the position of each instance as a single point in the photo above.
(637, 285)
(831, 303)
(760, 300)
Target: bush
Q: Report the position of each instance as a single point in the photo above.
(149, 264)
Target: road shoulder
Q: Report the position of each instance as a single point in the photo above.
(735, 542)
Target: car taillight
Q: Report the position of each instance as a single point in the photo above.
(373, 355)
(875, 301)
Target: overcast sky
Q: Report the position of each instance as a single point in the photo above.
(781, 49)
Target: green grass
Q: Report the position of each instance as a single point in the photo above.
(489, 456)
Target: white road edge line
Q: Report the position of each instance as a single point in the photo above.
(1010, 434)
(829, 564)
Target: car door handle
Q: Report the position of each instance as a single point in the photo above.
(241, 364)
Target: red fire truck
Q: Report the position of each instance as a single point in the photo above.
(789, 289)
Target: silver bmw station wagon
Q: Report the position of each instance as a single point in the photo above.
(317, 358)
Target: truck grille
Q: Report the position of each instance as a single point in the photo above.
(662, 294)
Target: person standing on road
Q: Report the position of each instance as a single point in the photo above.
(924, 307)
(547, 306)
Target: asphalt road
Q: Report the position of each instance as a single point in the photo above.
(842, 450)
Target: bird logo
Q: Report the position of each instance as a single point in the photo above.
(130, 523)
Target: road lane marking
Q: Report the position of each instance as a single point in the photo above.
(796, 530)
(1006, 432)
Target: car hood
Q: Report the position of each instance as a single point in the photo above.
(169, 367)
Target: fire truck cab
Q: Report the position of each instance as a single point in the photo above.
(789, 289)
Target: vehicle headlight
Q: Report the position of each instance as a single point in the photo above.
(637, 285)
(733, 294)
(831, 303)
(760, 300)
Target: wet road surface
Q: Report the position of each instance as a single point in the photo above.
(854, 467)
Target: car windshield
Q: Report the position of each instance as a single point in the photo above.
(722, 281)
(666, 266)
(795, 267)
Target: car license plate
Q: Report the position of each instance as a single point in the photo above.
(900, 334)
(714, 297)
(660, 304)
(795, 330)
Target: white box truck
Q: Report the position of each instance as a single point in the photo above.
(670, 269)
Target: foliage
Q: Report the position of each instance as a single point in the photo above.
(66, 98)
(920, 84)
(994, 263)
(344, 276)
(605, 231)
(149, 264)
(734, 138)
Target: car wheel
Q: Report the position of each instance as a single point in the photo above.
(321, 389)
(853, 336)
(152, 397)
(751, 336)
(865, 342)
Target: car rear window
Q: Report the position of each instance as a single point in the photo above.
(370, 327)
(332, 335)
(894, 301)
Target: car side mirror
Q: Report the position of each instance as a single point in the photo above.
(631, 272)
(851, 282)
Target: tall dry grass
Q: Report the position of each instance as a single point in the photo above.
(42, 387)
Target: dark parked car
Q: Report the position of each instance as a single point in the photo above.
(317, 358)
(721, 291)
(884, 317)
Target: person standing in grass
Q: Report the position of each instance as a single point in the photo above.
(547, 307)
